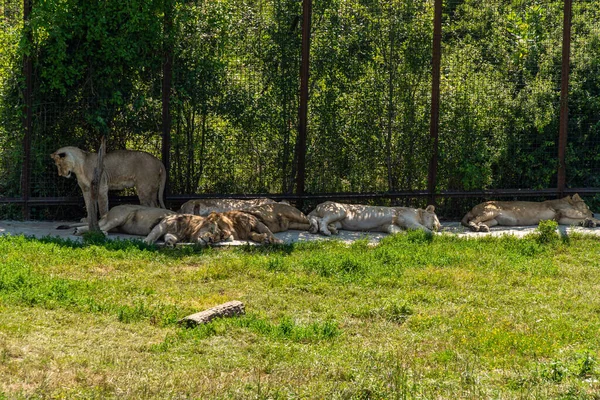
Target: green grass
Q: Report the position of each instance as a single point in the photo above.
(416, 316)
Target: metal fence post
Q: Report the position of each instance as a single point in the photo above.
(95, 188)
(28, 117)
(564, 98)
(303, 109)
(167, 68)
(435, 99)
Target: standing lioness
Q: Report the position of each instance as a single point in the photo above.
(122, 169)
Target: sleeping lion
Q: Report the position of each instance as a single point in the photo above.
(127, 218)
(280, 217)
(330, 216)
(204, 207)
(566, 211)
(215, 228)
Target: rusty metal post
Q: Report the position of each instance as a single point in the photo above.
(28, 115)
(92, 213)
(564, 98)
(435, 99)
(167, 69)
(303, 109)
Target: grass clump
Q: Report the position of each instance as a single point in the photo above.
(581, 365)
(390, 311)
(546, 232)
(286, 329)
(94, 238)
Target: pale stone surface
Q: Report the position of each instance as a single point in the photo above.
(45, 228)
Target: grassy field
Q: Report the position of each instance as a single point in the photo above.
(413, 317)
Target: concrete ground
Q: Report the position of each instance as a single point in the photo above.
(45, 228)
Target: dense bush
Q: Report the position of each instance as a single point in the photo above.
(98, 70)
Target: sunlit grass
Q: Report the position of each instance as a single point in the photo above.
(416, 316)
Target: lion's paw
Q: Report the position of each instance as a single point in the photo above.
(588, 223)
(474, 228)
(275, 240)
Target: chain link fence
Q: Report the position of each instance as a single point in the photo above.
(234, 100)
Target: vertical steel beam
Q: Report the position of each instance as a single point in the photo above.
(303, 109)
(564, 98)
(167, 69)
(28, 115)
(435, 99)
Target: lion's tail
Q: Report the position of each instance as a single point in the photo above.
(163, 183)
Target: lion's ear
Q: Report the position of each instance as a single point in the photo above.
(430, 208)
(576, 197)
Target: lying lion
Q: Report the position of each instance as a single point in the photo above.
(280, 217)
(204, 207)
(566, 211)
(217, 227)
(328, 217)
(122, 169)
(131, 219)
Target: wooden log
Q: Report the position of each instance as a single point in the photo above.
(229, 309)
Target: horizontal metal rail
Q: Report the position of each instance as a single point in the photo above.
(180, 199)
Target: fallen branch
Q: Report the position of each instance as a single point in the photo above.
(229, 309)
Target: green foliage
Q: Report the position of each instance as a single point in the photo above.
(286, 329)
(94, 238)
(580, 365)
(235, 79)
(546, 231)
(390, 311)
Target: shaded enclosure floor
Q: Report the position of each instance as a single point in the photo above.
(41, 229)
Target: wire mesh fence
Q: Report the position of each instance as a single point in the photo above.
(234, 100)
(500, 95)
(370, 87)
(583, 148)
(235, 97)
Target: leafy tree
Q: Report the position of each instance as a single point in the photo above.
(234, 97)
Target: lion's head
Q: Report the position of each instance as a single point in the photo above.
(207, 233)
(214, 229)
(429, 218)
(64, 162)
(580, 207)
